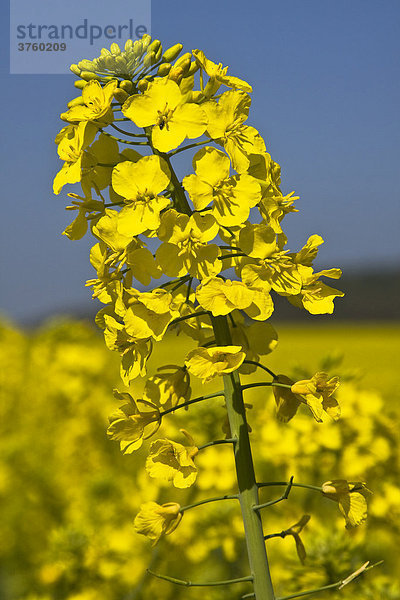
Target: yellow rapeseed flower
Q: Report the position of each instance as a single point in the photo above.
(140, 185)
(207, 363)
(315, 296)
(155, 520)
(133, 422)
(96, 104)
(218, 76)
(73, 141)
(226, 126)
(185, 248)
(317, 394)
(164, 107)
(173, 462)
(231, 197)
(221, 297)
(168, 387)
(350, 495)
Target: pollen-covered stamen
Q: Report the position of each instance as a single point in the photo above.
(164, 116)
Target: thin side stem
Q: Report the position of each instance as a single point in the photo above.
(308, 592)
(189, 402)
(217, 442)
(188, 147)
(200, 313)
(254, 362)
(300, 485)
(139, 135)
(207, 500)
(247, 386)
(123, 141)
(284, 496)
(199, 584)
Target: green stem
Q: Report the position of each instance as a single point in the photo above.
(248, 489)
(254, 362)
(123, 141)
(178, 192)
(232, 255)
(284, 496)
(215, 499)
(265, 384)
(200, 584)
(189, 402)
(307, 592)
(187, 147)
(217, 442)
(200, 313)
(140, 135)
(300, 485)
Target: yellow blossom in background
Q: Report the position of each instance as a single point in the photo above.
(129, 423)
(317, 394)
(173, 462)
(207, 363)
(350, 496)
(155, 520)
(140, 184)
(164, 107)
(96, 104)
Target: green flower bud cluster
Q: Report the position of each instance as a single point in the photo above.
(134, 62)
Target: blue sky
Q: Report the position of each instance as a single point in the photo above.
(326, 99)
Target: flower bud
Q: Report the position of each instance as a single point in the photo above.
(85, 64)
(170, 54)
(184, 66)
(126, 85)
(194, 67)
(176, 74)
(89, 76)
(149, 59)
(154, 46)
(120, 62)
(120, 95)
(115, 49)
(143, 84)
(79, 84)
(183, 59)
(129, 45)
(164, 69)
(75, 70)
(105, 52)
(145, 41)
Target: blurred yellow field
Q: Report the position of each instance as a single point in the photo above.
(68, 496)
